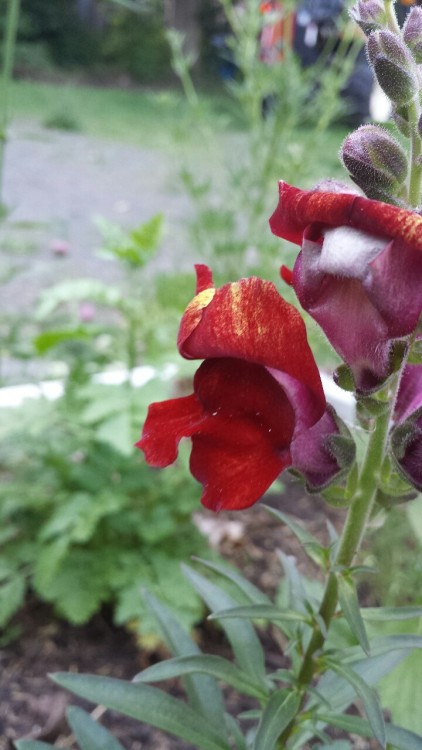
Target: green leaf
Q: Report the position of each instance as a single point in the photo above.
(49, 339)
(254, 594)
(148, 704)
(350, 605)
(398, 737)
(401, 693)
(311, 545)
(260, 612)
(216, 666)
(203, 693)
(368, 697)
(12, 594)
(340, 694)
(244, 641)
(278, 713)
(388, 614)
(89, 734)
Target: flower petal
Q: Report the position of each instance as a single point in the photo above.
(166, 424)
(249, 320)
(235, 462)
(312, 454)
(350, 321)
(297, 209)
(244, 444)
(395, 287)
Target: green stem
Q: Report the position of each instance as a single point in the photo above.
(391, 16)
(350, 540)
(12, 19)
(415, 175)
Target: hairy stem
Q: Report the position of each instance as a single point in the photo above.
(415, 175)
(350, 540)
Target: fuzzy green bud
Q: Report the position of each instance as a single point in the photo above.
(393, 65)
(412, 32)
(369, 15)
(375, 161)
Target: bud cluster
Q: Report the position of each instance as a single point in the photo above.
(375, 160)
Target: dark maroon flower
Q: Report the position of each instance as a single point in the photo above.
(359, 273)
(406, 437)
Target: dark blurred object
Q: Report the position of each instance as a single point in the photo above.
(402, 8)
(317, 27)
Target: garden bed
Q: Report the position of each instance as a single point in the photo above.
(31, 705)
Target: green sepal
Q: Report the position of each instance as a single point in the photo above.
(398, 737)
(368, 697)
(343, 377)
(415, 354)
(336, 496)
(89, 734)
(371, 407)
(387, 501)
(350, 606)
(278, 713)
(214, 666)
(147, 704)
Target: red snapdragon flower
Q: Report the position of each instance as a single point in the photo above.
(359, 272)
(257, 404)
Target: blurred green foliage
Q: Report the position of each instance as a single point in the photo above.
(84, 521)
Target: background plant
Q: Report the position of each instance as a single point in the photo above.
(73, 495)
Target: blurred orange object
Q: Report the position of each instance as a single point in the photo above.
(277, 33)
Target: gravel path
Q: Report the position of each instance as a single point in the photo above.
(56, 183)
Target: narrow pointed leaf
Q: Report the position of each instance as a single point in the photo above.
(204, 695)
(89, 734)
(388, 614)
(382, 645)
(368, 697)
(341, 694)
(148, 704)
(219, 668)
(254, 594)
(398, 737)
(312, 546)
(350, 605)
(278, 713)
(261, 612)
(243, 639)
(32, 745)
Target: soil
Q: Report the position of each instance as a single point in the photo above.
(31, 706)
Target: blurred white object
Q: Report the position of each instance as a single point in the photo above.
(379, 105)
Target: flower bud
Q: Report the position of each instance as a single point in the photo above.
(369, 15)
(375, 161)
(393, 65)
(412, 32)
